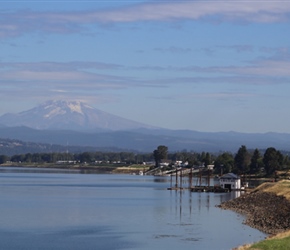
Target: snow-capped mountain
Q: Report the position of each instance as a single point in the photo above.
(68, 115)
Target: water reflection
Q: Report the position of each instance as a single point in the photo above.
(38, 170)
(64, 211)
(160, 179)
(198, 202)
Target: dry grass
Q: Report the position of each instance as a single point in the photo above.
(130, 169)
(280, 235)
(244, 247)
(277, 237)
(279, 188)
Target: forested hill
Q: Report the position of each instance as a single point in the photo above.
(11, 147)
(145, 140)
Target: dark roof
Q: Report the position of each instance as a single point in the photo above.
(230, 176)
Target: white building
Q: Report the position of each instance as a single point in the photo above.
(230, 181)
(210, 167)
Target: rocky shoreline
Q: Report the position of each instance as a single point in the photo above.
(265, 211)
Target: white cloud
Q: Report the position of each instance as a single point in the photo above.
(17, 23)
(222, 95)
(266, 68)
(66, 75)
(57, 66)
(58, 91)
(173, 49)
(261, 68)
(72, 79)
(238, 48)
(258, 11)
(89, 76)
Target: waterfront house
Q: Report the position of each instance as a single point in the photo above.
(230, 181)
(210, 167)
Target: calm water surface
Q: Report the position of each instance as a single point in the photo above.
(50, 209)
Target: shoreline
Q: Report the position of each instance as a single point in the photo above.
(105, 169)
(266, 207)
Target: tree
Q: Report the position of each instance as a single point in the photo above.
(207, 159)
(242, 160)
(86, 157)
(27, 157)
(286, 162)
(256, 162)
(159, 154)
(3, 159)
(273, 160)
(224, 163)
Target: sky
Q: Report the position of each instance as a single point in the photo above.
(208, 66)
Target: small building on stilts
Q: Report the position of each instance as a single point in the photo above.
(230, 181)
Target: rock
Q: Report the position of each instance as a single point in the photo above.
(265, 211)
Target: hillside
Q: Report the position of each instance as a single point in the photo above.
(146, 140)
(11, 147)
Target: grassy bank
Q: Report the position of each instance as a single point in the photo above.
(132, 169)
(279, 241)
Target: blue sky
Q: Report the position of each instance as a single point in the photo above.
(198, 65)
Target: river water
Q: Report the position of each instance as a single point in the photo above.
(53, 209)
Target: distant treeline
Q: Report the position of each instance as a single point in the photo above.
(244, 161)
(12, 147)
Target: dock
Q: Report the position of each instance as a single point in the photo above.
(179, 182)
(213, 189)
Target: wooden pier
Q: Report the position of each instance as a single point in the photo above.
(213, 189)
(179, 174)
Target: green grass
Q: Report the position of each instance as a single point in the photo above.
(273, 244)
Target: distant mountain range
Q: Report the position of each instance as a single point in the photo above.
(146, 140)
(78, 124)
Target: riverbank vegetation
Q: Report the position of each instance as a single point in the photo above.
(251, 163)
(280, 241)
